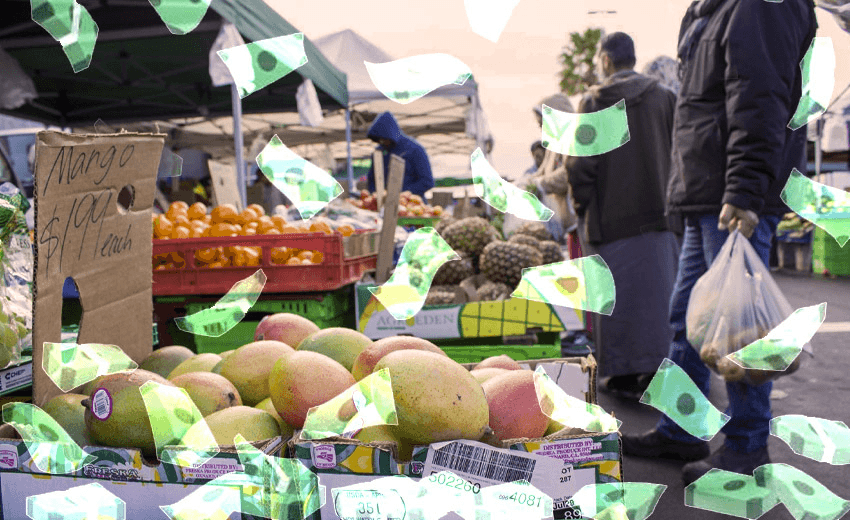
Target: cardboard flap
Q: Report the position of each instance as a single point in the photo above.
(83, 231)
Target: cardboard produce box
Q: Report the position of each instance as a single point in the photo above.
(558, 465)
(512, 317)
(143, 485)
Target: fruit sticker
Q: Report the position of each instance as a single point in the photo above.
(584, 283)
(408, 79)
(257, 65)
(676, 395)
(626, 500)
(584, 135)
(102, 404)
(502, 195)
(824, 206)
(181, 16)
(813, 437)
(50, 447)
(309, 187)
(71, 25)
(70, 365)
(88, 501)
(818, 68)
(228, 311)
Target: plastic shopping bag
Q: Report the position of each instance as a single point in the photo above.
(735, 303)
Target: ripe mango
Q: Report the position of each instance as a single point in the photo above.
(68, 411)
(340, 344)
(248, 368)
(285, 327)
(253, 424)
(436, 398)
(483, 374)
(209, 392)
(366, 361)
(266, 405)
(163, 361)
(502, 361)
(514, 410)
(200, 363)
(303, 380)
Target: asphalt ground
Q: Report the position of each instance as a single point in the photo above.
(820, 388)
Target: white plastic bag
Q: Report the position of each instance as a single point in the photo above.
(735, 303)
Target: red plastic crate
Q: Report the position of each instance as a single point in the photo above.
(345, 260)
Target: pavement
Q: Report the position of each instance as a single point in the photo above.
(820, 388)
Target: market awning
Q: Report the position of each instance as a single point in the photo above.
(142, 72)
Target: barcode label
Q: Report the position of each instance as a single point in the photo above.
(484, 463)
(102, 404)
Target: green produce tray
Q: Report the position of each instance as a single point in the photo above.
(450, 182)
(474, 352)
(827, 256)
(417, 221)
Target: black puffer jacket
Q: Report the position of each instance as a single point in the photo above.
(741, 83)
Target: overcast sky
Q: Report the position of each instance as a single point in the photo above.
(522, 68)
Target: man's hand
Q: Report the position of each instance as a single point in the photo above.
(733, 218)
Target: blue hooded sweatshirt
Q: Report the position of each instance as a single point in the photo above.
(417, 169)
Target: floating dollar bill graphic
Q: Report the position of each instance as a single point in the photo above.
(489, 18)
(783, 343)
(170, 164)
(818, 68)
(731, 494)
(91, 501)
(637, 499)
(70, 365)
(819, 439)
(582, 135)
(181, 16)
(824, 206)
(805, 497)
(584, 283)
(502, 195)
(257, 65)
(71, 25)
(215, 500)
(228, 311)
(674, 393)
(176, 421)
(51, 448)
(309, 187)
(408, 79)
(404, 293)
(569, 411)
(368, 403)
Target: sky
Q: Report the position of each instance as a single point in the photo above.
(521, 69)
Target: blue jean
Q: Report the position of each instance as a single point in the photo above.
(749, 406)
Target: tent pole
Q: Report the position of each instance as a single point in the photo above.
(349, 165)
(238, 145)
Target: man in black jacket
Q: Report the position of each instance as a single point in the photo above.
(732, 154)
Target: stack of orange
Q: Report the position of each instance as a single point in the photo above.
(185, 221)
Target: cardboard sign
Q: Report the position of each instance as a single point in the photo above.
(83, 230)
(224, 186)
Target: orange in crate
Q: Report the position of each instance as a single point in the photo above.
(206, 256)
(176, 208)
(181, 232)
(345, 230)
(293, 261)
(320, 227)
(279, 221)
(257, 208)
(306, 255)
(280, 255)
(318, 257)
(223, 230)
(162, 227)
(226, 213)
(287, 229)
(197, 211)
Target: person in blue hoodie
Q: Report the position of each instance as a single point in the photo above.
(417, 169)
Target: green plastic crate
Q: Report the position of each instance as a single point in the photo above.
(473, 352)
(828, 256)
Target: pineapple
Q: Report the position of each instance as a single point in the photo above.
(440, 295)
(454, 271)
(504, 261)
(470, 235)
(525, 240)
(444, 222)
(492, 291)
(551, 251)
(534, 229)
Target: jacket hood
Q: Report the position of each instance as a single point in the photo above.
(385, 127)
(629, 85)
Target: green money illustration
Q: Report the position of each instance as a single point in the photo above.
(50, 447)
(309, 187)
(818, 68)
(488, 18)
(71, 25)
(256, 65)
(215, 500)
(673, 393)
(584, 283)
(502, 195)
(91, 501)
(170, 163)
(181, 16)
(783, 343)
(819, 439)
(408, 79)
(569, 411)
(583, 135)
(228, 311)
(70, 365)
(177, 423)
(803, 496)
(730, 493)
(368, 403)
(404, 293)
(631, 500)
(824, 206)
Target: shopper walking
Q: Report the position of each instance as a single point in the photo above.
(619, 197)
(741, 83)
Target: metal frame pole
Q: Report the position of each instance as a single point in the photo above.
(350, 165)
(238, 144)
